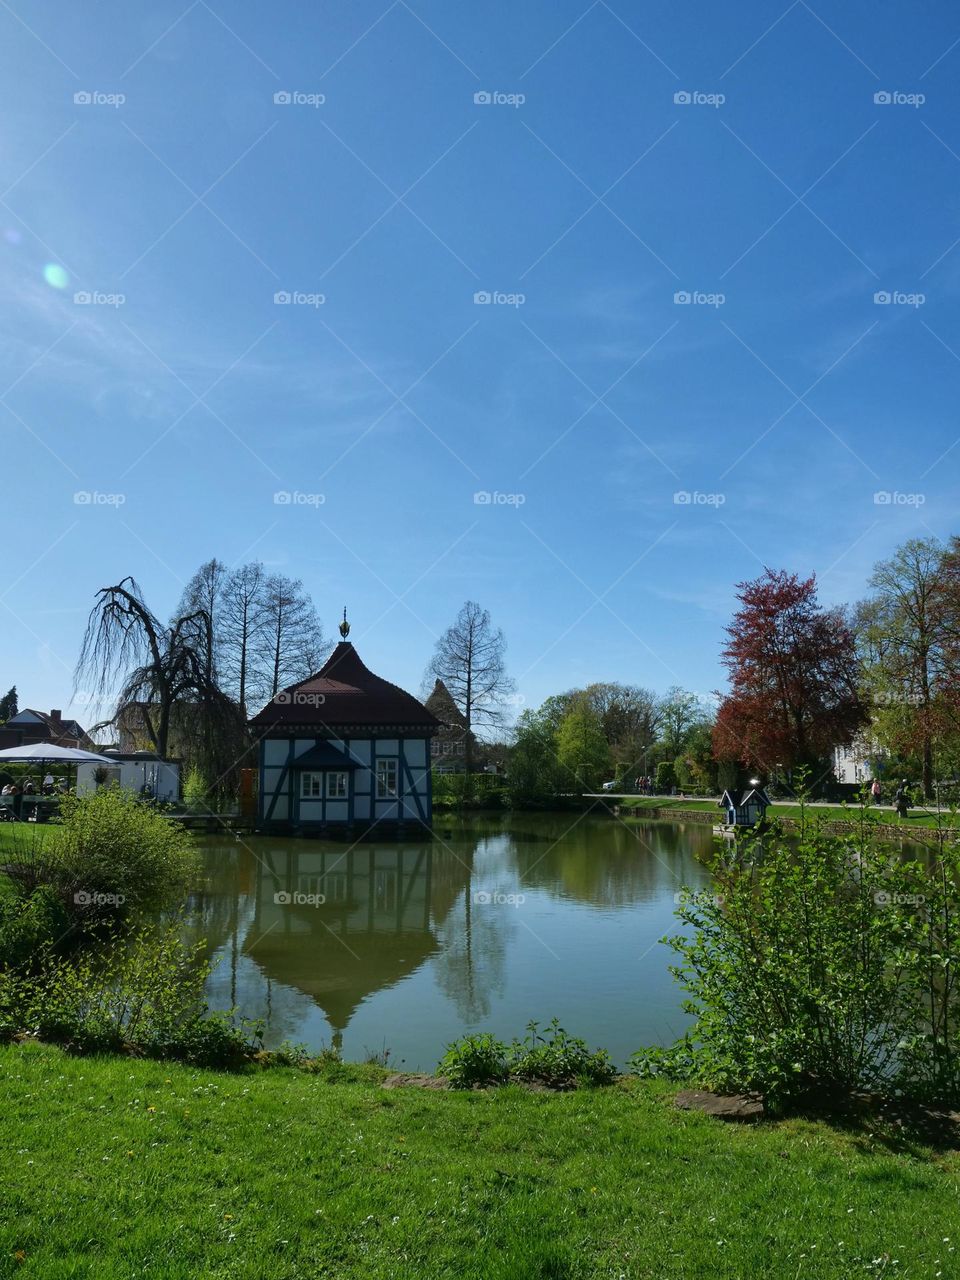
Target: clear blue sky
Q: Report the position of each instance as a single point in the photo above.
(597, 399)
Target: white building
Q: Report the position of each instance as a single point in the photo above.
(142, 772)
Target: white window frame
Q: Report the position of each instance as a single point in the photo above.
(385, 766)
(338, 784)
(311, 785)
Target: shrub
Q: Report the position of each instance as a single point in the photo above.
(666, 777)
(825, 966)
(32, 925)
(143, 993)
(112, 853)
(559, 1060)
(195, 791)
(475, 1060)
(553, 1058)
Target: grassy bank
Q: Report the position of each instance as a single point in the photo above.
(121, 1168)
(830, 813)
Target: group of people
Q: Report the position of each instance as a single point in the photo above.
(644, 786)
(901, 797)
(13, 793)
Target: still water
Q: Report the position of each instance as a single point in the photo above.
(407, 945)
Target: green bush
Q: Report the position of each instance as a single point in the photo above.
(558, 1060)
(666, 777)
(30, 926)
(112, 854)
(824, 966)
(142, 993)
(475, 1060)
(195, 791)
(553, 1059)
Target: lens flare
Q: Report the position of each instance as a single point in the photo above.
(12, 235)
(55, 275)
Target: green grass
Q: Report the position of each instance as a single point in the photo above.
(917, 817)
(117, 1168)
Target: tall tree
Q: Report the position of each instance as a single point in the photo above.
(583, 753)
(470, 660)
(629, 717)
(202, 597)
(292, 646)
(243, 623)
(793, 677)
(906, 633)
(8, 704)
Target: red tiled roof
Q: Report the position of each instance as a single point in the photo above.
(344, 692)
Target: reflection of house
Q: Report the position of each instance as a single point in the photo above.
(29, 728)
(343, 748)
(448, 748)
(339, 924)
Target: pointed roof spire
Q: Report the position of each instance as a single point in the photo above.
(344, 625)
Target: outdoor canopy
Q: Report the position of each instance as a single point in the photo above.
(49, 753)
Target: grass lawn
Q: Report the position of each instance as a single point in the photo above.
(917, 817)
(123, 1168)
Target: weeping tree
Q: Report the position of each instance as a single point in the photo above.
(162, 677)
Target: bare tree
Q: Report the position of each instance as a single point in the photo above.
(469, 659)
(203, 595)
(293, 643)
(243, 622)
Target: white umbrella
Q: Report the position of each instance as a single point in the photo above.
(49, 753)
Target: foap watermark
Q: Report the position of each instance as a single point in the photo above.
(296, 98)
(495, 298)
(686, 498)
(883, 898)
(298, 698)
(897, 298)
(514, 700)
(696, 98)
(699, 897)
(296, 298)
(294, 498)
(94, 298)
(94, 898)
(93, 498)
(96, 98)
(296, 898)
(494, 498)
(894, 498)
(894, 698)
(894, 98)
(495, 98)
(484, 899)
(696, 298)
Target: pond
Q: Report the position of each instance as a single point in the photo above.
(498, 920)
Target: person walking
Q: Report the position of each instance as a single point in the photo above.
(876, 791)
(901, 798)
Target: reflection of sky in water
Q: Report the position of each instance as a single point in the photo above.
(494, 923)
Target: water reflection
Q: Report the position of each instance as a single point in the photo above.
(492, 923)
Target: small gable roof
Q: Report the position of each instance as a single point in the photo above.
(736, 797)
(323, 756)
(344, 692)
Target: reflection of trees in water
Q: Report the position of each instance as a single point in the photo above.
(471, 967)
(609, 863)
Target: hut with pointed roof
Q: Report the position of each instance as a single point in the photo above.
(448, 749)
(343, 750)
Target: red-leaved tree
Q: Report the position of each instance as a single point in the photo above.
(793, 677)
